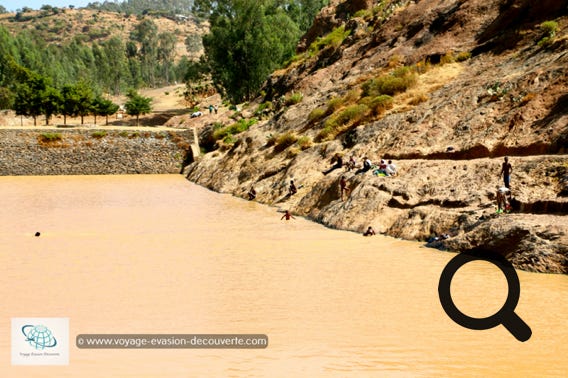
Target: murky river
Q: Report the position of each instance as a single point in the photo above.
(157, 254)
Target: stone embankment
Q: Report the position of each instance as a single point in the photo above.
(92, 151)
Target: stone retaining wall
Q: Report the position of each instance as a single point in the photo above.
(92, 151)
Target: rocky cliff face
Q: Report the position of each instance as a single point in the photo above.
(482, 84)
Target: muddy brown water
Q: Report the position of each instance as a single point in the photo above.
(157, 254)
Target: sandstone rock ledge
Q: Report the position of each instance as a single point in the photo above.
(428, 198)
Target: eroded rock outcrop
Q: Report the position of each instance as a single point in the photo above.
(447, 135)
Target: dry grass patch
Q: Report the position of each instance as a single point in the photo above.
(433, 79)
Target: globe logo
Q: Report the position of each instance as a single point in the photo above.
(39, 336)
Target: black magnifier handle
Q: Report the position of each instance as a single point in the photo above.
(517, 326)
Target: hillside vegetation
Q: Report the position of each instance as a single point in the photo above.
(111, 51)
(444, 88)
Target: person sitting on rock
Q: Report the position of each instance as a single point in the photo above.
(382, 170)
(367, 165)
(292, 189)
(369, 232)
(391, 169)
(502, 203)
(351, 163)
(338, 160)
(252, 193)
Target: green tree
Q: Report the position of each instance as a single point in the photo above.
(51, 103)
(247, 41)
(103, 107)
(303, 12)
(146, 34)
(30, 94)
(86, 97)
(71, 101)
(137, 105)
(7, 98)
(166, 53)
(115, 52)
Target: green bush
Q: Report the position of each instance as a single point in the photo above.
(380, 104)
(229, 139)
(99, 134)
(334, 104)
(352, 115)
(317, 114)
(549, 28)
(235, 128)
(398, 81)
(293, 98)
(335, 39)
(546, 41)
(447, 58)
(50, 137)
(262, 107)
(364, 13)
(304, 142)
(284, 141)
(463, 56)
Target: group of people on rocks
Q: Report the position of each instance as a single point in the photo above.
(389, 169)
(199, 113)
(383, 168)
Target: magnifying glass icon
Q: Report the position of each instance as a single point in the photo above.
(506, 315)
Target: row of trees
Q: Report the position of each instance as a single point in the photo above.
(36, 96)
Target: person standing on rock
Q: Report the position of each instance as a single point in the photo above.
(343, 187)
(506, 170)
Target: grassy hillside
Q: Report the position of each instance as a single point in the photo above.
(61, 25)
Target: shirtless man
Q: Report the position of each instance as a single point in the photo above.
(506, 170)
(369, 232)
(287, 215)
